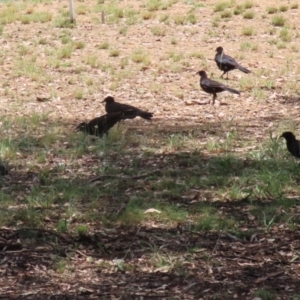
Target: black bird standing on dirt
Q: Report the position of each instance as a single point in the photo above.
(293, 145)
(101, 125)
(111, 106)
(213, 87)
(226, 63)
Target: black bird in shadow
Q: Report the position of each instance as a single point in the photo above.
(226, 63)
(101, 125)
(111, 106)
(3, 170)
(292, 144)
(213, 87)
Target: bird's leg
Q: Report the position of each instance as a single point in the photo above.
(222, 74)
(214, 98)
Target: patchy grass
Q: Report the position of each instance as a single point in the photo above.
(283, 8)
(248, 4)
(285, 35)
(221, 6)
(278, 20)
(248, 31)
(139, 56)
(261, 175)
(158, 31)
(249, 14)
(226, 14)
(63, 22)
(104, 45)
(114, 52)
(239, 9)
(272, 10)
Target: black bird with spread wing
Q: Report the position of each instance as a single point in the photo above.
(213, 87)
(226, 63)
(101, 125)
(293, 145)
(111, 106)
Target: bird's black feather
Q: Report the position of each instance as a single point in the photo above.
(213, 87)
(101, 125)
(292, 144)
(111, 106)
(226, 63)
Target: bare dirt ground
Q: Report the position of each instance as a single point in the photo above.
(149, 260)
(236, 269)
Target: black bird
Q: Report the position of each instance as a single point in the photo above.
(226, 63)
(213, 87)
(101, 125)
(293, 145)
(111, 107)
(3, 170)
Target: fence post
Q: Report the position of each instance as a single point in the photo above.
(72, 11)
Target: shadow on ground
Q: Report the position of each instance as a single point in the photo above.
(181, 261)
(109, 264)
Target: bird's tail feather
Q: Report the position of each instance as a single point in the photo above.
(243, 69)
(145, 115)
(128, 114)
(232, 90)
